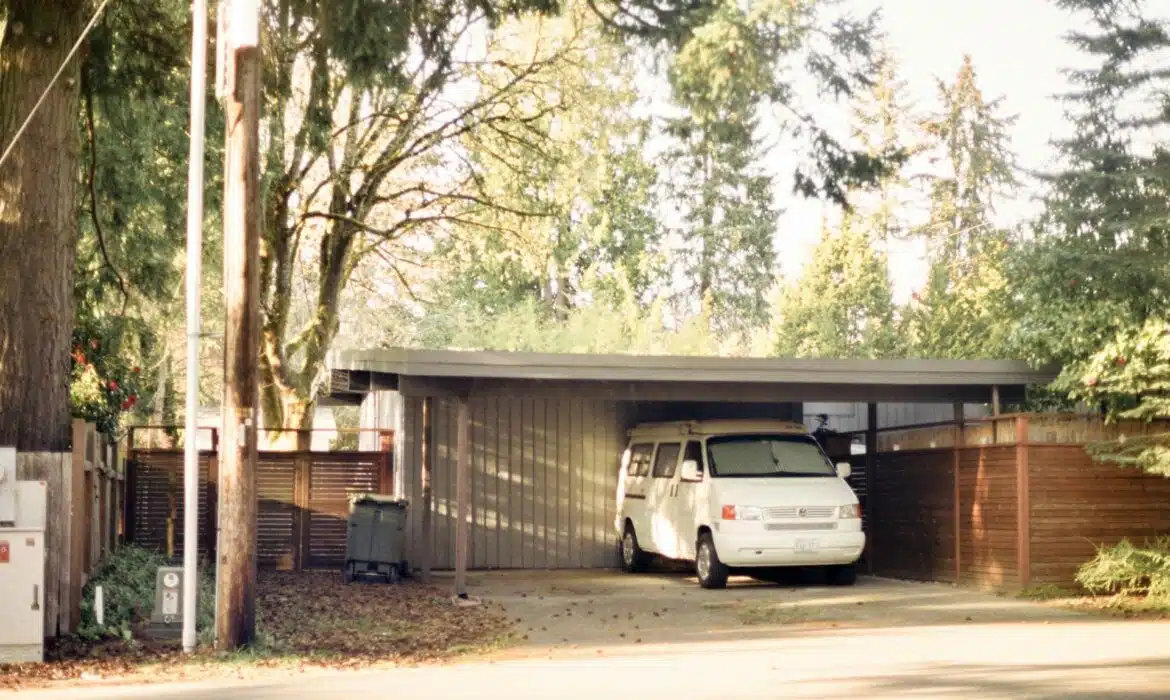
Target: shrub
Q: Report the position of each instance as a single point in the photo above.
(128, 581)
(1126, 569)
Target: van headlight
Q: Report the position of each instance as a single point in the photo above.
(742, 513)
(849, 512)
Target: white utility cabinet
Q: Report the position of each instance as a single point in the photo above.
(22, 564)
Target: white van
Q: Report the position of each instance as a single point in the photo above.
(736, 494)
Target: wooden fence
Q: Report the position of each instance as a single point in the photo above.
(302, 510)
(1003, 502)
(85, 493)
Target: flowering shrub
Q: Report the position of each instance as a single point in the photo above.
(105, 385)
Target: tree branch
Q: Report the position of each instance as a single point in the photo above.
(93, 199)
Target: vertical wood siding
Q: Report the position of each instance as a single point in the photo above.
(544, 474)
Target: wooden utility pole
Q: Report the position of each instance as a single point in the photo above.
(235, 623)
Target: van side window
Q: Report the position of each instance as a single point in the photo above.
(640, 459)
(666, 460)
(694, 451)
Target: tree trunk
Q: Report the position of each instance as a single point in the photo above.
(288, 416)
(38, 222)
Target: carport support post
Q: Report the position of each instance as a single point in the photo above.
(871, 447)
(426, 470)
(957, 459)
(462, 495)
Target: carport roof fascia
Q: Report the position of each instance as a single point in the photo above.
(505, 365)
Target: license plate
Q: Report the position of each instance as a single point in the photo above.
(807, 545)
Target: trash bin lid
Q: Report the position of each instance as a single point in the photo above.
(375, 498)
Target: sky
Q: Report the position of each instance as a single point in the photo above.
(1019, 53)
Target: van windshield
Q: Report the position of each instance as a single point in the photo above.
(766, 456)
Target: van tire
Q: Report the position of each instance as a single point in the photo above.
(711, 572)
(845, 575)
(633, 558)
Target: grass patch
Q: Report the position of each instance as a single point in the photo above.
(1046, 591)
(773, 614)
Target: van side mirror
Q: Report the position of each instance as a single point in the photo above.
(844, 469)
(691, 471)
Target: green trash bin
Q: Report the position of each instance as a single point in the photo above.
(376, 538)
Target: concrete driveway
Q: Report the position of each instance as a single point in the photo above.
(670, 640)
(570, 612)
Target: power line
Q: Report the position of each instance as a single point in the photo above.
(41, 99)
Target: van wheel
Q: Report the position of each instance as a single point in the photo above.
(842, 575)
(712, 573)
(633, 558)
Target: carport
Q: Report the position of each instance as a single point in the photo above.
(512, 458)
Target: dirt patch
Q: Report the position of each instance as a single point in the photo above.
(304, 621)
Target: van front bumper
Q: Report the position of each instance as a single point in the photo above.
(789, 549)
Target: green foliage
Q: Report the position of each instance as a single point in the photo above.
(748, 54)
(132, 207)
(128, 580)
(960, 312)
(1090, 290)
(1126, 569)
(841, 306)
(104, 385)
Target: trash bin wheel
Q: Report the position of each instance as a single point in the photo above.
(392, 575)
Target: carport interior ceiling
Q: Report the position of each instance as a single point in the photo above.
(546, 431)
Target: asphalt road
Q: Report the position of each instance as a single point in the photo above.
(1035, 660)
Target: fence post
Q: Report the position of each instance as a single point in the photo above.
(302, 476)
(130, 498)
(1023, 504)
(210, 535)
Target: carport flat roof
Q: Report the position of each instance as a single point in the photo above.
(677, 378)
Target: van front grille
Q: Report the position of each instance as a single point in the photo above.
(800, 527)
(789, 512)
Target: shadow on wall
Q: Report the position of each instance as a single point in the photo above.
(544, 475)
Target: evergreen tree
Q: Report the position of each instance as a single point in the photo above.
(38, 227)
(579, 229)
(728, 218)
(841, 306)
(884, 123)
(955, 315)
(1091, 289)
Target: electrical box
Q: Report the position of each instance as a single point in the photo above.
(22, 565)
(166, 620)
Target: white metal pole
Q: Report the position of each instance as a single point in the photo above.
(194, 285)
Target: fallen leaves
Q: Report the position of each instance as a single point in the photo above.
(304, 620)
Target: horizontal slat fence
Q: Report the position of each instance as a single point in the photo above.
(303, 502)
(1027, 502)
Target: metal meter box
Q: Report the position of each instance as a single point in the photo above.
(22, 565)
(376, 541)
(166, 620)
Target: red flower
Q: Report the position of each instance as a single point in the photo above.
(136, 370)
(113, 385)
(1120, 361)
(79, 356)
(132, 400)
(94, 344)
(126, 405)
